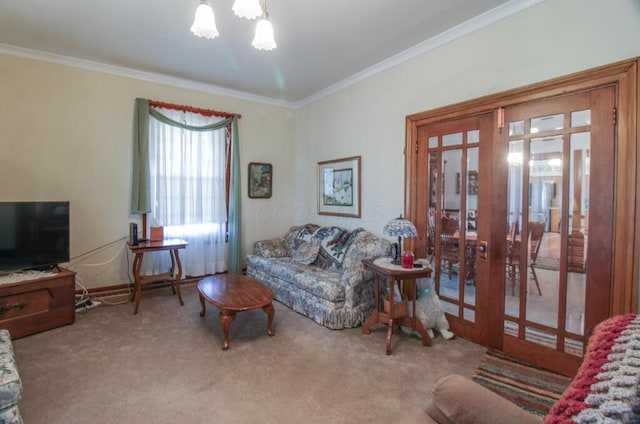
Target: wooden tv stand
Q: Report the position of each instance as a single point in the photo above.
(32, 306)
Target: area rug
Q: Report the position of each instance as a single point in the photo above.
(531, 388)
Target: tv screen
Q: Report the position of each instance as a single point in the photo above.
(33, 235)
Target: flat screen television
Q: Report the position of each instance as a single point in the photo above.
(33, 235)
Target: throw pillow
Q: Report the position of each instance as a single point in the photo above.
(306, 252)
(297, 233)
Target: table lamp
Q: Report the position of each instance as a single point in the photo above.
(399, 227)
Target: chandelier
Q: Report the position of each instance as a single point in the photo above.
(204, 24)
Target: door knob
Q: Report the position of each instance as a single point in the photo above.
(483, 250)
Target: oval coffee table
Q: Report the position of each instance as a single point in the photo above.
(233, 293)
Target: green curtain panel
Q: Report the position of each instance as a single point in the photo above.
(140, 191)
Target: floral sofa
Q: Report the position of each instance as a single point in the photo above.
(318, 272)
(10, 383)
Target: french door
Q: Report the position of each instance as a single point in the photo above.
(518, 222)
(560, 179)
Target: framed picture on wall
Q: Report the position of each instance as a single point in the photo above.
(339, 187)
(260, 180)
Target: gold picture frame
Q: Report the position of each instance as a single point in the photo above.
(339, 187)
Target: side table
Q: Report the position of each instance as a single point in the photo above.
(174, 275)
(384, 269)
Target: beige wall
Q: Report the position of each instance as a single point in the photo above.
(551, 39)
(66, 132)
(67, 135)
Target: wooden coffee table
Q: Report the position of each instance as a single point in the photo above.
(233, 293)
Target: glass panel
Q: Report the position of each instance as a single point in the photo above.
(573, 347)
(578, 231)
(547, 123)
(543, 259)
(514, 217)
(510, 328)
(516, 128)
(432, 195)
(471, 214)
(450, 267)
(448, 307)
(469, 315)
(433, 142)
(473, 136)
(452, 139)
(580, 118)
(538, 336)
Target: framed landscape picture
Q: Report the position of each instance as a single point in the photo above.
(339, 187)
(260, 179)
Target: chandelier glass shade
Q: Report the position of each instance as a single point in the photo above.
(264, 35)
(204, 24)
(249, 9)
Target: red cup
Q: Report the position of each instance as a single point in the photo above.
(407, 259)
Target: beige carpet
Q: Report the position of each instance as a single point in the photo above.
(165, 365)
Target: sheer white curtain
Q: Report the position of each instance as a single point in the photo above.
(187, 170)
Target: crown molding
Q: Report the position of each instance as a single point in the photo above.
(465, 28)
(474, 24)
(140, 75)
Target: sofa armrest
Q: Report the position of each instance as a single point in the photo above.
(459, 400)
(271, 248)
(353, 280)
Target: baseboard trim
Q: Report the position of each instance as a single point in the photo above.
(122, 289)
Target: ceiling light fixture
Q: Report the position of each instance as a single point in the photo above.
(264, 32)
(249, 9)
(204, 25)
(263, 39)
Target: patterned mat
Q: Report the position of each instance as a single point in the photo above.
(531, 388)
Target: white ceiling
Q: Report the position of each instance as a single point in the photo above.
(321, 43)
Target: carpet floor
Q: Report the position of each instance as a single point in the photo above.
(531, 388)
(166, 365)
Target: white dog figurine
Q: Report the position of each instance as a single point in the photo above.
(429, 311)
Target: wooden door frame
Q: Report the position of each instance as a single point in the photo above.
(624, 76)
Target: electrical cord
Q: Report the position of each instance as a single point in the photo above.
(84, 298)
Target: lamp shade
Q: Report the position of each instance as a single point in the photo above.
(204, 25)
(249, 9)
(264, 35)
(400, 227)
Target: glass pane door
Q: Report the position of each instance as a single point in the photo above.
(451, 218)
(547, 230)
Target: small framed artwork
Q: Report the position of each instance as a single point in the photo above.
(260, 180)
(339, 187)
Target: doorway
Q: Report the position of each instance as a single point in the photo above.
(524, 260)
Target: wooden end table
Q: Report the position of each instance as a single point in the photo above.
(383, 269)
(233, 293)
(174, 275)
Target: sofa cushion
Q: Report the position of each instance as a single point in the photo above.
(273, 248)
(306, 251)
(322, 283)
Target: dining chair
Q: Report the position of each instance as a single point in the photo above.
(514, 245)
(449, 244)
(536, 232)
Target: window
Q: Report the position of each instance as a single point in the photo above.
(188, 189)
